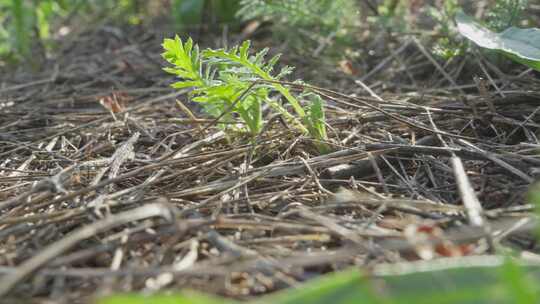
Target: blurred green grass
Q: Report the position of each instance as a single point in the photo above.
(507, 283)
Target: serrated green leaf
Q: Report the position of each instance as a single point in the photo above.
(316, 112)
(250, 112)
(232, 52)
(259, 57)
(220, 77)
(272, 62)
(188, 45)
(171, 70)
(185, 84)
(196, 59)
(315, 121)
(286, 70)
(244, 49)
(201, 99)
(521, 45)
(185, 59)
(169, 44)
(209, 53)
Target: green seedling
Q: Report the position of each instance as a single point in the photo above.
(234, 84)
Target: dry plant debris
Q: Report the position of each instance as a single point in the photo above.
(106, 186)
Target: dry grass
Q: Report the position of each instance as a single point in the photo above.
(148, 198)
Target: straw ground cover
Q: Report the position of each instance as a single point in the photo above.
(134, 189)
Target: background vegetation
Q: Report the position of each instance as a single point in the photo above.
(331, 29)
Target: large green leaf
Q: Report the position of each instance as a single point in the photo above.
(521, 45)
(506, 283)
(337, 288)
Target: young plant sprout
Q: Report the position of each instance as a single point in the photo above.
(232, 83)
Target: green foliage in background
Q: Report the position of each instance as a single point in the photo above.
(305, 23)
(227, 83)
(27, 26)
(508, 283)
(188, 13)
(21, 22)
(505, 13)
(391, 15)
(446, 45)
(326, 16)
(499, 15)
(437, 21)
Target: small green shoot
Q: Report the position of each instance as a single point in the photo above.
(315, 121)
(232, 83)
